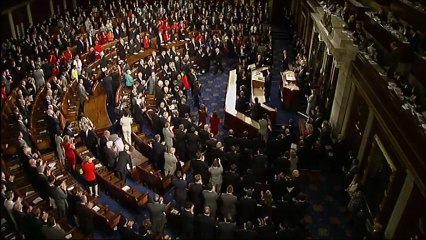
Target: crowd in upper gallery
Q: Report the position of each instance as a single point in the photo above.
(388, 60)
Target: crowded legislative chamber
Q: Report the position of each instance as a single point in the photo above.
(213, 119)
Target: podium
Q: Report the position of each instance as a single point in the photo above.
(289, 91)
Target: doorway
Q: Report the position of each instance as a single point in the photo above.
(380, 174)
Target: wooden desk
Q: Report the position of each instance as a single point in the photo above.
(233, 119)
(114, 186)
(179, 44)
(144, 172)
(258, 90)
(96, 110)
(289, 91)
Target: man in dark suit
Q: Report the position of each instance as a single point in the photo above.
(258, 165)
(227, 228)
(183, 109)
(20, 218)
(229, 140)
(256, 110)
(35, 224)
(229, 202)
(180, 143)
(121, 49)
(85, 216)
(247, 208)
(180, 185)
(231, 177)
(247, 232)
(102, 144)
(199, 166)
(231, 158)
(210, 199)
(125, 229)
(268, 84)
(158, 214)
(193, 142)
(80, 46)
(90, 140)
(83, 95)
(52, 231)
(187, 221)
(266, 228)
(194, 193)
(124, 164)
(111, 156)
(107, 83)
(158, 150)
(218, 63)
(205, 225)
(41, 184)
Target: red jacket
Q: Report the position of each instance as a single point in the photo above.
(89, 171)
(146, 43)
(185, 82)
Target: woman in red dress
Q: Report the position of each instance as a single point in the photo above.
(69, 151)
(202, 115)
(146, 42)
(214, 123)
(89, 175)
(185, 83)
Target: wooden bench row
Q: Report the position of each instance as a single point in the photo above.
(116, 188)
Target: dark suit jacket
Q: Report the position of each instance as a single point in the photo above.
(123, 160)
(205, 227)
(246, 234)
(229, 202)
(110, 157)
(199, 167)
(192, 142)
(194, 191)
(158, 217)
(21, 220)
(256, 111)
(231, 178)
(42, 186)
(90, 140)
(85, 218)
(158, 150)
(53, 233)
(227, 230)
(180, 188)
(187, 221)
(34, 227)
(247, 209)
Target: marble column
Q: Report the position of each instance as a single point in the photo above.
(52, 9)
(400, 205)
(341, 96)
(365, 134)
(30, 16)
(12, 25)
(348, 109)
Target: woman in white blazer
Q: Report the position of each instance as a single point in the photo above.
(126, 125)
